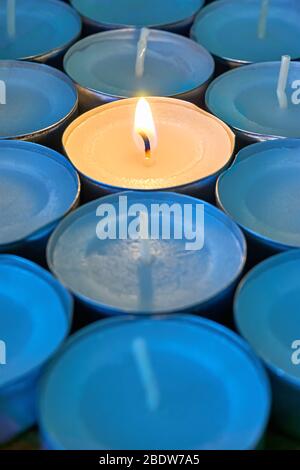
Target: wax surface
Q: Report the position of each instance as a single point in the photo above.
(267, 310)
(106, 63)
(137, 12)
(41, 26)
(207, 379)
(37, 187)
(245, 98)
(111, 274)
(33, 317)
(37, 96)
(266, 179)
(192, 144)
(229, 29)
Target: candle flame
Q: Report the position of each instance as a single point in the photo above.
(144, 125)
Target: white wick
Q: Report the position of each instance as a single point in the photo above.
(144, 238)
(282, 81)
(262, 23)
(142, 358)
(141, 52)
(11, 18)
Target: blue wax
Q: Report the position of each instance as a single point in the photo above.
(246, 99)
(210, 385)
(38, 186)
(110, 275)
(41, 27)
(37, 97)
(35, 313)
(137, 12)
(106, 63)
(266, 179)
(229, 29)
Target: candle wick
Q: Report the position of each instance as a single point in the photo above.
(11, 18)
(146, 371)
(262, 23)
(282, 81)
(147, 144)
(141, 52)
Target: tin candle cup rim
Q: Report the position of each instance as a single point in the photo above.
(110, 26)
(115, 311)
(59, 159)
(60, 291)
(280, 373)
(45, 56)
(51, 71)
(128, 101)
(185, 318)
(131, 30)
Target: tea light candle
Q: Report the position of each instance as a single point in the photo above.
(35, 30)
(131, 62)
(36, 313)
(267, 316)
(247, 99)
(99, 15)
(265, 177)
(150, 276)
(38, 187)
(204, 399)
(40, 102)
(191, 147)
(257, 31)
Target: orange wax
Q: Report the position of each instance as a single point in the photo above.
(191, 144)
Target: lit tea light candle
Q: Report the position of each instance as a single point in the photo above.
(36, 313)
(132, 62)
(100, 15)
(40, 102)
(35, 30)
(267, 316)
(155, 275)
(260, 101)
(204, 399)
(260, 31)
(189, 151)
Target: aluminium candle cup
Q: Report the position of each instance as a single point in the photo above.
(246, 99)
(35, 318)
(193, 147)
(267, 316)
(206, 377)
(261, 193)
(109, 277)
(38, 187)
(37, 102)
(230, 31)
(44, 30)
(103, 67)
(99, 15)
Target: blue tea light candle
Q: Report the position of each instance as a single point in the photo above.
(254, 31)
(261, 193)
(247, 99)
(37, 30)
(37, 102)
(158, 274)
(176, 383)
(100, 15)
(38, 187)
(267, 316)
(35, 318)
(134, 62)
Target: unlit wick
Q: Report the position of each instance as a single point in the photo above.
(141, 52)
(282, 81)
(11, 18)
(146, 371)
(262, 23)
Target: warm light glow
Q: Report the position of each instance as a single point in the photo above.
(144, 126)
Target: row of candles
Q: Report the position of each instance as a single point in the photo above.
(125, 370)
